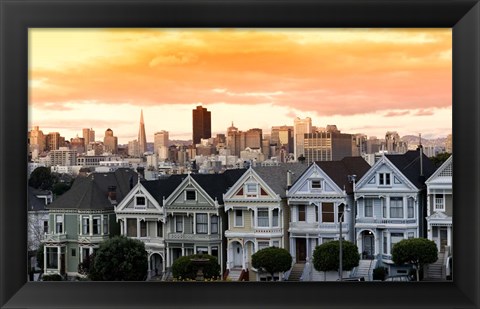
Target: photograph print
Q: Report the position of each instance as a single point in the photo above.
(238, 154)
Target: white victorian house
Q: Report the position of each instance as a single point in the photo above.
(318, 201)
(142, 217)
(439, 214)
(391, 206)
(257, 217)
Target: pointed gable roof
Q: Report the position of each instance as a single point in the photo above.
(339, 171)
(217, 184)
(409, 165)
(276, 176)
(91, 192)
(163, 187)
(443, 174)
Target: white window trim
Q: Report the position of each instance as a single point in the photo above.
(177, 218)
(365, 207)
(138, 206)
(384, 179)
(63, 224)
(435, 202)
(235, 218)
(190, 190)
(315, 180)
(249, 193)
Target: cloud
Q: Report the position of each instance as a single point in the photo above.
(396, 113)
(424, 112)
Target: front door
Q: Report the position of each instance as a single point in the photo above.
(237, 254)
(443, 239)
(368, 246)
(301, 246)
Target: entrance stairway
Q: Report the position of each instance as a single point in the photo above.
(435, 271)
(296, 272)
(365, 269)
(234, 274)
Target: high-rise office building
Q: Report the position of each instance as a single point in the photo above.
(78, 144)
(160, 144)
(63, 157)
(134, 149)
(327, 146)
(282, 137)
(54, 141)
(36, 140)
(110, 142)
(142, 138)
(202, 124)
(253, 138)
(88, 136)
(448, 144)
(300, 128)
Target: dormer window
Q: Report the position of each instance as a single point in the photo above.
(140, 202)
(251, 189)
(190, 195)
(384, 179)
(316, 184)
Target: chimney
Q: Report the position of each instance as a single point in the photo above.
(289, 179)
(112, 193)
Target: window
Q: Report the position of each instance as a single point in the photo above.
(410, 208)
(439, 205)
(385, 243)
(301, 213)
(394, 238)
(276, 243)
(105, 225)
(202, 250)
(132, 227)
(178, 224)
(411, 235)
(143, 228)
(396, 207)
(59, 224)
(85, 225)
(263, 245)
(52, 257)
(275, 221)
(262, 216)
(384, 207)
(85, 253)
(368, 207)
(215, 252)
(45, 227)
(214, 225)
(316, 184)
(202, 223)
(96, 225)
(327, 212)
(238, 217)
(159, 229)
(251, 188)
(384, 179)
(140, 201)
(190, 195)
(74, 252)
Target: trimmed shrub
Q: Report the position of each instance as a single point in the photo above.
(379, 273)
(52, 277)
(183, 268)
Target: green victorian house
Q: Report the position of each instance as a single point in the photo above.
(82, 218)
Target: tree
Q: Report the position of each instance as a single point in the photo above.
(272, 260)
(119, 259)
(415, 251)
(301, 158)
(41, 178)
(326, 256)
(185, 268)
(440, 158)
(40, 252)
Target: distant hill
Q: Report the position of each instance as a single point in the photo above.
(413, 140)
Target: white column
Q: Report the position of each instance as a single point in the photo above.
(429, 231)
(58, 258)
(45, 249)
(138, 228)
(449, 236)
(194, 220)
(405, 210)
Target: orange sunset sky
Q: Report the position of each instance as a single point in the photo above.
(363, 80)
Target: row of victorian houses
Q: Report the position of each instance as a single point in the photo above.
(236, 213)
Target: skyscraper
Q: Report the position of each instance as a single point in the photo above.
(88, 136)
(202, 124)
(160, 144)
(300, 128)
(110, 142)
(142, 139)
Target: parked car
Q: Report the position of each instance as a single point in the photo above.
(399, 278)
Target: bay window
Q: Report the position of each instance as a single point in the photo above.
(202, 223)
(396, 207)
(262, 217)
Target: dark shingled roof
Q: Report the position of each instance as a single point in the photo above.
(276, 176)
(214, 184)
(35, 203)
(338, 171)
(409, 164)
(91, 192)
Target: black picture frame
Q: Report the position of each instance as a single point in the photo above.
(19, 15)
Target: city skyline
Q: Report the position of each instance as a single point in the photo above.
(366, 81)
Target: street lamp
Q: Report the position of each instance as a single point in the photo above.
(351, 178)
